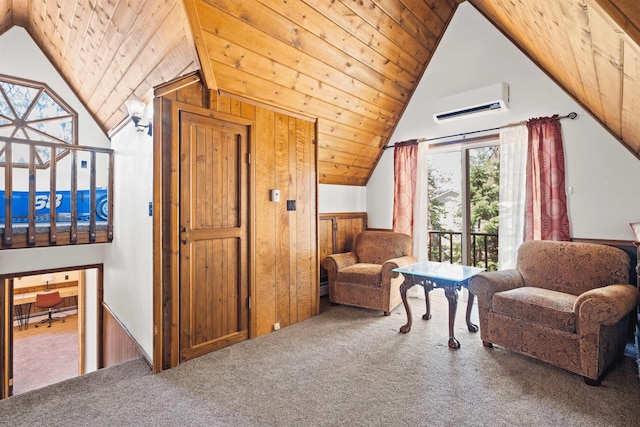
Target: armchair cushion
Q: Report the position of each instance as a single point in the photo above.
(362, 273)
(543, 306)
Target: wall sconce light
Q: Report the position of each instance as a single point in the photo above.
(136, 110)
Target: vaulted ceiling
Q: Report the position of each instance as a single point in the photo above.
(351, 64)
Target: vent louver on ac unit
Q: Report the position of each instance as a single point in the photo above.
(472, 103)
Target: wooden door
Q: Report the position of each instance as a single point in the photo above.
(214, 264)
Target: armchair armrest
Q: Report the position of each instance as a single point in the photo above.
(335, 262)
(485, 284)
(606, 305)
(389, 265)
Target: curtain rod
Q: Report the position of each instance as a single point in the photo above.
(571, 116)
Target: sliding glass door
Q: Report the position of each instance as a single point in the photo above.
(463, 203)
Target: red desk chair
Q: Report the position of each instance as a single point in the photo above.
(49, 301)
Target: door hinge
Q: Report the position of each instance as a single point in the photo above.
(249, 303)
(249, 158)
(184, 236)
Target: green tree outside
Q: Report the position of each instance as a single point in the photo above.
(484, 187)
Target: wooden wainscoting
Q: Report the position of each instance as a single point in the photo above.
(336, 233)
(118, 344)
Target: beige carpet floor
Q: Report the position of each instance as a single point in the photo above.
(44, 356)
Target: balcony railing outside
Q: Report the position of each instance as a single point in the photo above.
(446, 246)
(59, 228)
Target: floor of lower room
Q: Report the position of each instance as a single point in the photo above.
(43, 355)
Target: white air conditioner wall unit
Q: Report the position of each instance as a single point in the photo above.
(474, 102)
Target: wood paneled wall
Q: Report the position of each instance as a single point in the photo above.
(286, 240)
(284, 248)
(117, 344)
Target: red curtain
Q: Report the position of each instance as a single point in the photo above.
(405, 167)
(546, 203)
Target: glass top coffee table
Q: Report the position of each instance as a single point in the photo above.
(431, 275)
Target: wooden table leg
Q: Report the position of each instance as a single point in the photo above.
(452, 296)
(404, 287)
(472, 327)
(427, 315)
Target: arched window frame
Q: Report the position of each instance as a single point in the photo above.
(28, 122)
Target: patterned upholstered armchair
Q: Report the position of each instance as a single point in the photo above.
(363, 278)
(565, 303)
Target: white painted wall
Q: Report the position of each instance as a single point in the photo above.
(474, 54)
(341, 198)
(128, 264)
(127, 261)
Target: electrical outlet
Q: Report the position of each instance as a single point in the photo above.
(276, 326)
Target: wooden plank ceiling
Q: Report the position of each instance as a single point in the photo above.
(108, 51)
(352, 65)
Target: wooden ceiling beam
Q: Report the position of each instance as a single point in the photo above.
(193, 19)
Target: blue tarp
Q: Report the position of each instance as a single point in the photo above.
(20, 205)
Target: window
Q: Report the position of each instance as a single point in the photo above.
(464, 187)
(30, 111)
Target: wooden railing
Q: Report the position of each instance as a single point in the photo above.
(45, 222)
(446, 246)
